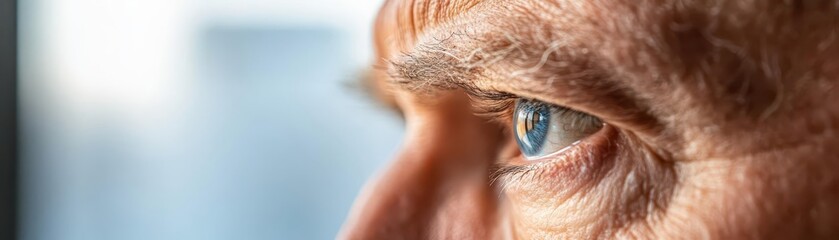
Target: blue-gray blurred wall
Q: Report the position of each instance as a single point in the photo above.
(264, 136)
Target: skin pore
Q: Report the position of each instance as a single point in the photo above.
(720, 120)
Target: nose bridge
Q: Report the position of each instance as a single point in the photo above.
(437, 187)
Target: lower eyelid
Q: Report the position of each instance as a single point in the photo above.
(572, 166)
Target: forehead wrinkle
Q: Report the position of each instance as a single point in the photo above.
(401, 22)
(428, 13)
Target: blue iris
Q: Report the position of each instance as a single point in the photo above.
(532, 122)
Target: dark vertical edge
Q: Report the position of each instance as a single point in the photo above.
(8, 120)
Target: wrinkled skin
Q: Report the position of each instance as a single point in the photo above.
(721, 120)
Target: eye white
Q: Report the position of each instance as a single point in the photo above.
(542, 129)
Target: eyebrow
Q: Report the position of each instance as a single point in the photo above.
(500, 62)
(492, 62)
(437, 65)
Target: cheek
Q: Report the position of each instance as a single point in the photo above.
(598, 189)
(781, 194)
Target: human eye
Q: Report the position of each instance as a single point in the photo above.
(542, 130)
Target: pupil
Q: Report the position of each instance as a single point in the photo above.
(534, 119)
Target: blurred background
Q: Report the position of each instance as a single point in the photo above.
(187, 119)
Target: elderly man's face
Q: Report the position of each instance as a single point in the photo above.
(608, 119)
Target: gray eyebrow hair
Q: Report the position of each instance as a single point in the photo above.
(440, 64)
(459, 60)
(520, 60)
